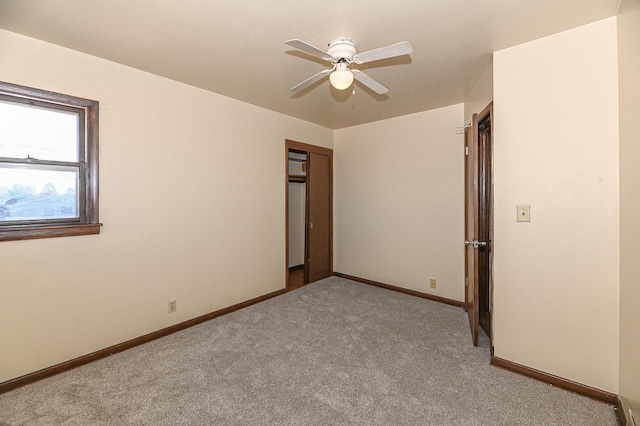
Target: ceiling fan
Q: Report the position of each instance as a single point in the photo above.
(342, 53)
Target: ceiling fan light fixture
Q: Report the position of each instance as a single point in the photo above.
(341, 78)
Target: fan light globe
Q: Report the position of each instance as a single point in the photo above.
(341, 79)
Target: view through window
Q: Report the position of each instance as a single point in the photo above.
(36, 190)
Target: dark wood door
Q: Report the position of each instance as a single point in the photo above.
(479, 222)
(471, 228)
(484, 224)
(319, 214)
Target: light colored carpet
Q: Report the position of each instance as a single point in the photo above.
(335, 352)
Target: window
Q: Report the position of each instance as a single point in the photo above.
(48, 164)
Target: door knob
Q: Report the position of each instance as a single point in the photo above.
(475, 243)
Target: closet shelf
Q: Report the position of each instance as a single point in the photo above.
(297, 178)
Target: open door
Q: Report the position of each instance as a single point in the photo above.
(318, 223)
(319, 213)
(479, 223)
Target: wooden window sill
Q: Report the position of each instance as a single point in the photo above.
(31, 232)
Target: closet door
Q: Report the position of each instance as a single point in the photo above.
(319, 220)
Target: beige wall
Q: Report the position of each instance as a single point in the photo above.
(399, 201)
(481, 94)
(629, 74)
(556, 148)
(191, 195)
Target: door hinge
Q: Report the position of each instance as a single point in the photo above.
(466, 281)
(466, 150)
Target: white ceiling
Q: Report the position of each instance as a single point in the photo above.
(236, 48)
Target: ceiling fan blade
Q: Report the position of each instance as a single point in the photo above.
(369, 82)
(306, 47)
(308, 82)
(398, 49)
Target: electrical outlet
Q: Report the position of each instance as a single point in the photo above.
(432, 283)
(172, 306)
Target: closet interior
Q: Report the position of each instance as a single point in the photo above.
(298, 166)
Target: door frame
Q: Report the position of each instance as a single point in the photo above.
(300, 146)
(473, 138)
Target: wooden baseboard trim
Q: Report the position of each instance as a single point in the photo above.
(555, 380)
(401, 290)
(102, 353)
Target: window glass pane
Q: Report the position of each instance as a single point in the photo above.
(35, 192)
(41, 133)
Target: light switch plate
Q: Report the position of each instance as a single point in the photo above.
(523, 213)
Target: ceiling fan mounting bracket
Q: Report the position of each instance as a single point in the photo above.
(342, 48)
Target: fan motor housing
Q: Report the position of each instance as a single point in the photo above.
(342, 48)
